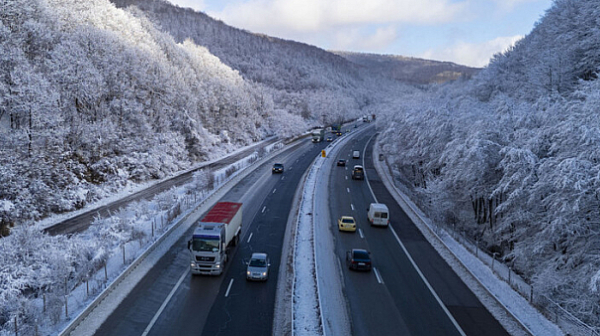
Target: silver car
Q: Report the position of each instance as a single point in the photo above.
(258, 267)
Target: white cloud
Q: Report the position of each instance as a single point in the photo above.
(472, 54)
(356, 39)
(194, 4)
(277, 17)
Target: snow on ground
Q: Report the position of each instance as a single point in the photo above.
(132, 188)
(306, 310)
(319, 305)
(118, 240)
(534, 321)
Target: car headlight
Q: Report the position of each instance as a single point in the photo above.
(193, 265)
(218, 265)
(264, 274)
(248, 273)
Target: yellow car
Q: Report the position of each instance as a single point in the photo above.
(347, 223)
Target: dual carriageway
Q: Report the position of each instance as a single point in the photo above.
(411, 290)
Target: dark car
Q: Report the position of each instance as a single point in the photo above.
(341, 162)
(358, 260)
(329, 139)
(358, 173)
(277, 168)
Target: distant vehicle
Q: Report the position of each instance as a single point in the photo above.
(277, 168)
(355, 126)
(358, 260)
(338, 133)
(378, 214)
(365, 119)
(336, 128)
(373, 117)
(356, 154)
(341, 162)
(258, 267)
(217, 230)
(318, 135)
(329, 139)
(347, 223)
(358, 173)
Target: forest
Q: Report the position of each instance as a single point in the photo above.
(98, 95)
(512, 156)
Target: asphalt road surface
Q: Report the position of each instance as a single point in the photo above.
(393, 299)
(226, 304)
(82, 221)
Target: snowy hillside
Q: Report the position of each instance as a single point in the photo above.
(512, 157)
(303, 79)
(94, 97)
(409, 69)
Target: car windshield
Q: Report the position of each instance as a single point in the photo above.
(347, 220)
(206, 244)
(258, 262)
(361, 255)
(278, 165)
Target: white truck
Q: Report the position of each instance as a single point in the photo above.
(219, 229)
(318, 135)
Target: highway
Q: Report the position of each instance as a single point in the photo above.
(227, 304)
(393, 298)
(82, 221)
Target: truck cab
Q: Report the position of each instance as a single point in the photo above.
(208, 249)
(219, 229)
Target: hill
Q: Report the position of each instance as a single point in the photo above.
(409, 69)
(512, 156)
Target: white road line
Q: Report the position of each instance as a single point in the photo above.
(282, 177)
(361, 233)
(348, 189)
(274, 190)
(346, 177)
(264, 208)
(379, 279)
(164, 305)
(458, 328)
(251, 233)
(352, 206)
(229, 288)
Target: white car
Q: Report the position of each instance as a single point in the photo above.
(258, 267)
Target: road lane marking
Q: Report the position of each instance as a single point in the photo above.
(458, 328)
(164, 305)
(251, 233)
(348, 189)
(377, 275)
(274, 190)
(346, 177)
(282, 177)
(229, 288)
(352, 206)
(264, 208)
(361, 233)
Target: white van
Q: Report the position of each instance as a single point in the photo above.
(356, 154)
(378, 214)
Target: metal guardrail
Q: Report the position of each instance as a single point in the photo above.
(133, 266)
(567, 322)
(417, 217)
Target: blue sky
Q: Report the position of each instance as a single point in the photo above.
(467, 32)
